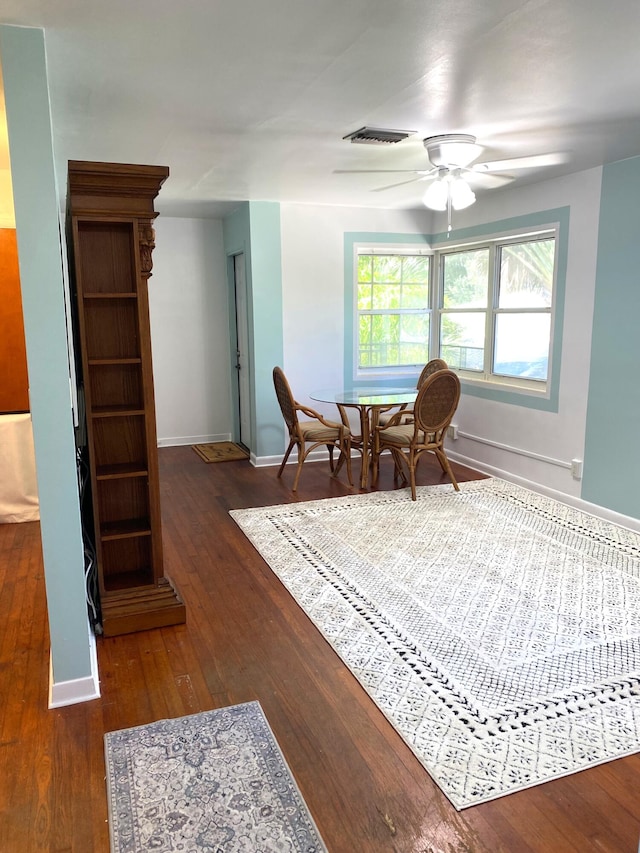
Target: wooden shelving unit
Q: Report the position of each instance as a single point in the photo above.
(111, 215)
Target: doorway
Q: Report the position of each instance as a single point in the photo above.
(242, 350)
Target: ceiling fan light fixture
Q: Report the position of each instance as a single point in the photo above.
(459, 149)
(461, 194)
(437, 195)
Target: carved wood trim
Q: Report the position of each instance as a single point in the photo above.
(147, 243)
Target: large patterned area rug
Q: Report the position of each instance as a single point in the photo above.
(497, 629)
(210, 782)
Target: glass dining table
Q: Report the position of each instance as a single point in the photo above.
(369, 402)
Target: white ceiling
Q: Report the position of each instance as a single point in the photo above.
(248, 99)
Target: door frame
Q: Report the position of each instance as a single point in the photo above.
(239, 321)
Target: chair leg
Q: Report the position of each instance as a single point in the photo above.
(375, 468)
(446, 466)
(375, 459)
(412, 481)
(345, 454)
(301, 458)
(412, 463)
(348, 457)
(292, 444)
(442, 465)
(398, 460)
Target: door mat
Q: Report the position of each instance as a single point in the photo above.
(220, 451)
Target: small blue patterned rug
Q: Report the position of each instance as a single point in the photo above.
(215, 782)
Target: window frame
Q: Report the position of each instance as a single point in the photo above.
(495, 242)
(403, 374)
(556, 220)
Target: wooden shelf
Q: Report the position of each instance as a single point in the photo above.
(115, 411)
(105, 362)
(122, 471)
(131, 580)
(125, 529)
(125, 295)
(111, 216)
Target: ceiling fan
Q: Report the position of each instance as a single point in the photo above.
(452, 159)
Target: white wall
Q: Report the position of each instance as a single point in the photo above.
(313, 287)
(313, 300)
(558, 435)
(189, 309)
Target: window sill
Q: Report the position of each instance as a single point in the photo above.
(538, 390)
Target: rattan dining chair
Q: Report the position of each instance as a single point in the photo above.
(430, 367)
(432, 413)
(313, 432)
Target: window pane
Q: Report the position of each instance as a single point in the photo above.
(416, 269)
(414, 339)
(415, 296)
(466, 279)
(393, 340)
(364, 341)
(522, 345)
(365, 264)
(462, 340)
(413, 354)
(387, 268)
(394, 284)
(386, 296)
(364, 297)
(526, 274)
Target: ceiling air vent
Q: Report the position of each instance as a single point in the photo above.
(378, 136)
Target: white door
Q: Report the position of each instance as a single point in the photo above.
(242, 352)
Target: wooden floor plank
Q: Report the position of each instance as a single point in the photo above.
(246, 638)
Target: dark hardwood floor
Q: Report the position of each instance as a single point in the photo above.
(245, 638)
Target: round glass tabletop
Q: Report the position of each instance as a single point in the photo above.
(365, 396)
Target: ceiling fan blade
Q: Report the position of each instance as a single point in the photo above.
(377, 171)
(391, 186)
(536, 161)
(487, 179)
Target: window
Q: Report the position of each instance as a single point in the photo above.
(522, 335)
(485, 307)
(495, 311)
(394, 310)
(465, 296)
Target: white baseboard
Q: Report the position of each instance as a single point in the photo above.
(77, 689)
(318, 455)
(578, 503)
(182, 440)
(562, 497)
(266, 461)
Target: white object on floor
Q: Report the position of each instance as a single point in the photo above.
(18, 488)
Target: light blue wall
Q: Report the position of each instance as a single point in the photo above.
(255, 230)
(36, 203)
(266, 276)
(237, 240)
(612, 458)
